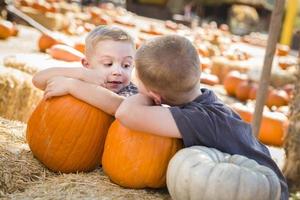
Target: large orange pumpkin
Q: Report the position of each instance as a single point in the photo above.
(273, 126)
(135, 159)
(67, 135)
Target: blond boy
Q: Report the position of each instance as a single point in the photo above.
(104, 79)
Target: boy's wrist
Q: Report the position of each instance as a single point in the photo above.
(71, 84)
(82, 73)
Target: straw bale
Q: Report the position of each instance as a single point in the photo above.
(18, 96)
(13, 62)
(93, 185)
(18, 167)
(34, 62)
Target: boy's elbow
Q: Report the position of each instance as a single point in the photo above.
(36, 82)
(119, 114)
(122, 116)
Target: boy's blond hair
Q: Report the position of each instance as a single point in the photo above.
(101, 33)
(169, 66)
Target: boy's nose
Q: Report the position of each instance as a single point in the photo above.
(117, 71)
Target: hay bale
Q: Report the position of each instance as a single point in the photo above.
(23, 177)
(93, 185)
(18, 168)
(18, 96)
(34, 62)
(20, 64)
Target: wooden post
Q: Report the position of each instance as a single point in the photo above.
(274, 31)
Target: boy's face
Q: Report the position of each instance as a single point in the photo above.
(115, 60)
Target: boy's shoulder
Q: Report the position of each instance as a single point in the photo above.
(128, 90)
(207, 98)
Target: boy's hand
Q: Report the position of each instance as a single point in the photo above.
(57, 86)
(94, 76)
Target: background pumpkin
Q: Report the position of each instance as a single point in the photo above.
(135, 159)
(67, 135)
(205, 173)
(273, 126)
(232, 80)
(64, 52)
(46, 41)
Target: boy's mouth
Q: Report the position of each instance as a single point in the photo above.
(115, 82)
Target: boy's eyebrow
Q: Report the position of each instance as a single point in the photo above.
(107, 56)
(129, 57)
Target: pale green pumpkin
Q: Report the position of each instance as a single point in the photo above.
(205, 173)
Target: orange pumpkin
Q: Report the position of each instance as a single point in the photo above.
(46, 41)
(232, 80)
(6, 29)
(242, 91)
(64, 52)
(273, 126)
(79, 46)
(135, 159)
(67, 135)
(283, 50)
(277, 98)
(253, 91)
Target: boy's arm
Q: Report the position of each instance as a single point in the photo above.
(95, 95)
(41, 78)
(138, 113)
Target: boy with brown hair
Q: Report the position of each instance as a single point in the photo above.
(167, 70)
(104, 79)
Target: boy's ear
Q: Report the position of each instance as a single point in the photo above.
(156, 97)
(85, 63)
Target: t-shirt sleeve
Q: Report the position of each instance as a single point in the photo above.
(189, 125)
(202, 127)
(129, 90)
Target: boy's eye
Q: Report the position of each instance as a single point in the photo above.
(126, 65)
(108, 64)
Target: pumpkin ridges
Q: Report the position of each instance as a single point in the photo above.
(49, 155)
(75, 139)
(59, 156)
(128, 149)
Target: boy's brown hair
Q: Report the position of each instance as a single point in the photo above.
(169, 65)
(103, 32)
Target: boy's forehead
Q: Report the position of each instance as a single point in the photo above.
(113, 48)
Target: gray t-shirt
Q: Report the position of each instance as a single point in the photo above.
(129, 90)
(207, 121)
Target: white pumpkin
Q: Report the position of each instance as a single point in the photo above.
(200, 172)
